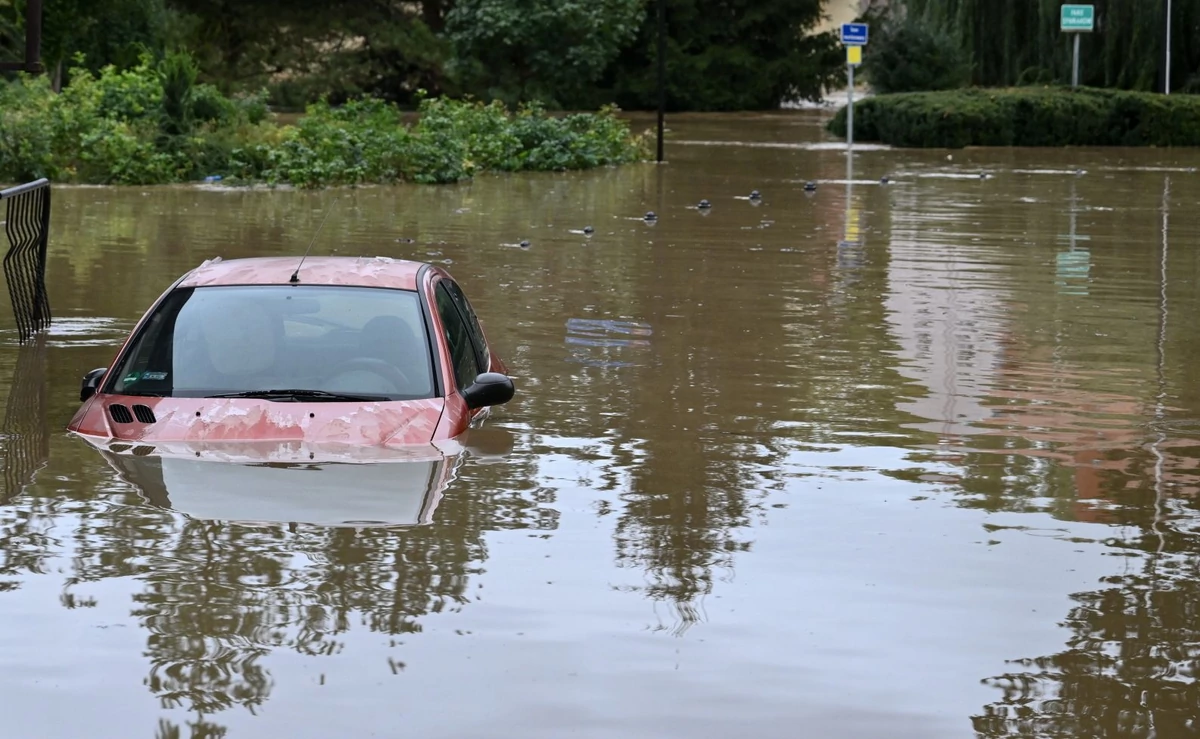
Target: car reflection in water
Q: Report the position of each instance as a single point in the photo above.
(272, 483)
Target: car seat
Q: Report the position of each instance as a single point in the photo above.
(393, 340)
(241, 347)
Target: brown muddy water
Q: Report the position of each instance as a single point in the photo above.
(904, 460)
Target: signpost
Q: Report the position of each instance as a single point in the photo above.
(1077, 19)
(854, 37)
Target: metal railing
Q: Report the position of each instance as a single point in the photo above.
(27, 226)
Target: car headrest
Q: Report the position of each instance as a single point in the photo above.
(241, 343)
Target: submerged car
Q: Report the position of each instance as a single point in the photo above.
(343, 350)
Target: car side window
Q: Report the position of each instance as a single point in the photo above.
(462, 352)
(475, 331)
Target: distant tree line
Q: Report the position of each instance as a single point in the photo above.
(721, 54)
(940, 44)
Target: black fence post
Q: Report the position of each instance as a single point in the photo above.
(33, 36)
(662, 72)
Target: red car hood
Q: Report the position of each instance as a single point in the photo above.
(153, 420)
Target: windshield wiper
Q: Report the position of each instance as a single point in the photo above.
(298, 394)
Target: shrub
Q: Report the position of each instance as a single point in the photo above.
(1028, 116)
(152, 123)
(910, 55)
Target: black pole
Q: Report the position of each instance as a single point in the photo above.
(33, 36)
(662, 72)
(1164, 55)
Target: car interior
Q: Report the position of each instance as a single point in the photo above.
(253, 344)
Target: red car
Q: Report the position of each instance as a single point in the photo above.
(372, 352)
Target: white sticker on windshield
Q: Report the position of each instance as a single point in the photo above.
(154, 376)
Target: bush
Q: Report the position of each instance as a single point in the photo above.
(365, 141)
(1025, 116)
(911, 56)
(153, 124)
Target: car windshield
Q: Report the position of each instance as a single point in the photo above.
(331, 342)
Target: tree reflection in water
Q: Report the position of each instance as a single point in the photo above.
(201, 729)
(1130, 664)
(217, 597)
(26, 441)
(25, 431)
(222, 596)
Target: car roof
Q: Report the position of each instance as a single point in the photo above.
(356, 271)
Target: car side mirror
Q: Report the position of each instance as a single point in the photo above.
(489, 388)
(91, 382)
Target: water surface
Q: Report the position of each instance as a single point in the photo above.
(914, 459)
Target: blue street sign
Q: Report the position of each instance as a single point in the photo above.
(854, 34)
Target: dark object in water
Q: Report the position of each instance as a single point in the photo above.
(810, 186)
(704, 204)
(27, 226)
(650, 216)
(588, 229)
(755, 195)
(883, 180)
(524, 243)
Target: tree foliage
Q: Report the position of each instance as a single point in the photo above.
(103, 31)
(1020, 41)
(306, 48)
(730, 55)
(548, 50)
(911, 55)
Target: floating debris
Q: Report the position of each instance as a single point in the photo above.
(606, 343)
(704, 205)
(810, 186)
(588, 230)
(650, 216)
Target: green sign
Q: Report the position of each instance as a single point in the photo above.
(1078, 18)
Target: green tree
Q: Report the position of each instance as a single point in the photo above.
(730, 55)
(551, 51)
(306, 48)
(1020, 41)
(910, 55)
(104, 31)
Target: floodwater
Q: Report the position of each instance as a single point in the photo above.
(915, 459)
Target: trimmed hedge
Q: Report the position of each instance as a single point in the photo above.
(1025, 116)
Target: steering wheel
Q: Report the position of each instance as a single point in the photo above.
(377, 367)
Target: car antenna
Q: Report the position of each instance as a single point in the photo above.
(296, 275)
